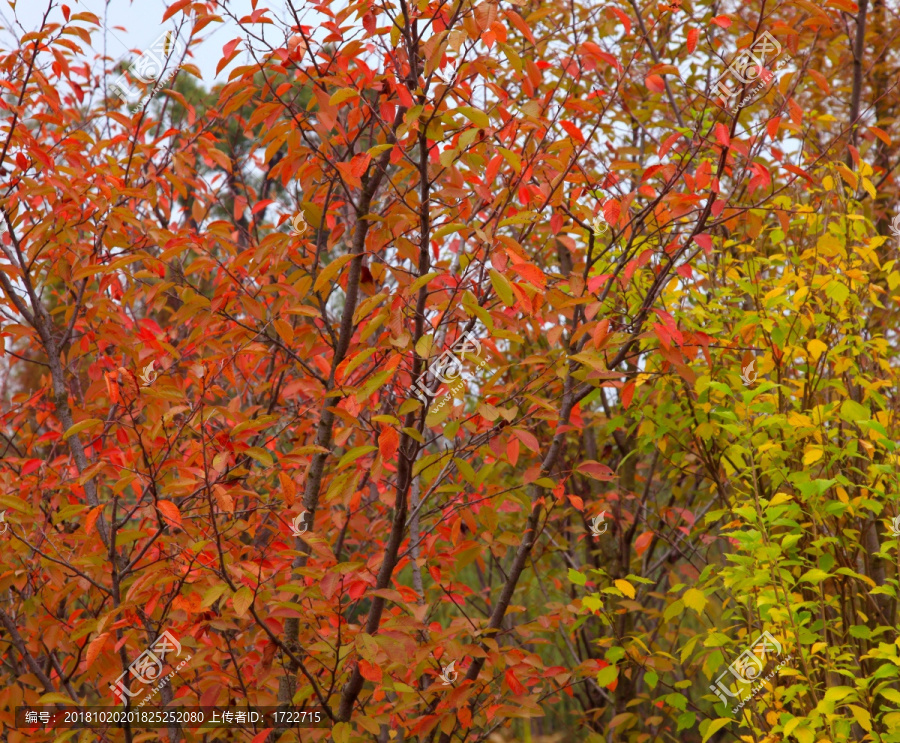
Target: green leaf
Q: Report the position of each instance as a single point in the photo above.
(713, 728)
(607, 675)
(576, 577)
(673, 610)
(81, 426)
(852, 411)
(651, 678)
(815, 576)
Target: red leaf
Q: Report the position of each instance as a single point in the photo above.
(170, 511)
(572, 130)
(772, 126)
(721, 20)
(388, 442)
(527, 438)
(228, 53)
(722, 135)
(655, 83)
(66, 11)
(627, 394)
(262, 736)
(667, 144)
(577, 502)
(704, 241)
(512, 451)
(514, 685)
(596, 470)
(692, 35)
(611, 212)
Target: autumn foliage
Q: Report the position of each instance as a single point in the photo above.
(187, 369)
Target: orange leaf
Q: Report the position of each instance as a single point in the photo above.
(94, 648)
(721, 20)
(881, 134)
(643, 542)
(531, 273)
(112, 386)
(91, 519)
(170, 511)
(627, 394)
(175, 7)
(626, 21)
(655, 83)
(388, 441)
(772, 126)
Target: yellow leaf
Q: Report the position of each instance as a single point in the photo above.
(341, 96)
(816, 348)
(625, 587)
(242, 600)
(813, 454)
(780, 498)
(714, 727)
(81, 426)
(331, 270)
(870, 189)
(694, 599)
(862, 717)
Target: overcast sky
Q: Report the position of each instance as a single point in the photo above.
(133, 25)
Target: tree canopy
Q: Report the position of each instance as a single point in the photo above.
(487, 369)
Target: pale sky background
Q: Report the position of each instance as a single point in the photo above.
(133, 25)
